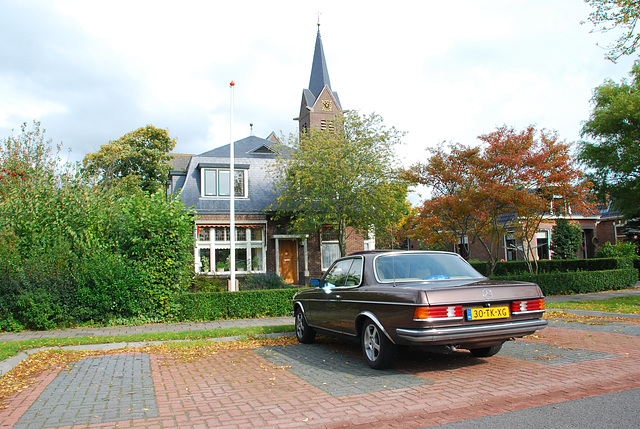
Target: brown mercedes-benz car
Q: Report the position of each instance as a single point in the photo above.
(436, 300)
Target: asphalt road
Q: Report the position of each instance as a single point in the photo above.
(613, 410)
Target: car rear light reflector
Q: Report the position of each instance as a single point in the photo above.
(528, 305)
(438, 312)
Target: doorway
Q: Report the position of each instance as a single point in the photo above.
(288, 261)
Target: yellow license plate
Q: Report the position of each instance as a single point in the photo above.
(487, 313)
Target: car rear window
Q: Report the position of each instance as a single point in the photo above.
(423, 266)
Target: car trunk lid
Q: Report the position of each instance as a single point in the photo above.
(482, 292)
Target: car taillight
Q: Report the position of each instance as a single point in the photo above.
(528, 305)
(438, 312)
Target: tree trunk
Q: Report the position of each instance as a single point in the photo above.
(342, 238)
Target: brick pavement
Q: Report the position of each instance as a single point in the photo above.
(328, 385)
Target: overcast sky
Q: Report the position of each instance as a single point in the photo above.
(92, 71)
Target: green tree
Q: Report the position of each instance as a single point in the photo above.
(72, 252)
(346, 176)
(614, 154)
(632, 230)
(140, 156)
(566, 239)
(620, 15)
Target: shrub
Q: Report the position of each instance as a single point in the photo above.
(622, 249)
(565, 283)
(107, 287)
(561, 265)
(39, 309)
(263, 281)
(204, 283)
(234, 305)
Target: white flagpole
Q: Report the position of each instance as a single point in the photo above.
(232, 209)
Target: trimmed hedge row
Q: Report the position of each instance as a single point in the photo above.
(555, 265)
(568, 283)
(198, 306)
(612, 273)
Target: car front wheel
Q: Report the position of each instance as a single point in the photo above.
(378, 350)
(304, 333)
(486, 351)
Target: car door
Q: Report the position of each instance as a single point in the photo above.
(326, 312)
(348, 299)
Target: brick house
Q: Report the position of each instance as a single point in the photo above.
(603, 226)
(262, 244)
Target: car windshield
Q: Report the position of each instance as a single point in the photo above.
(423, 266)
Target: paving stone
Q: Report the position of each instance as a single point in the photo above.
(334, 373)
(95, 390)
(549, 354)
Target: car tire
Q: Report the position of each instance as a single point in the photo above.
(379, 352)
(486, 351)
(304, 333)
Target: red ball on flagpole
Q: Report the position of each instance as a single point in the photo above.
(232, 83)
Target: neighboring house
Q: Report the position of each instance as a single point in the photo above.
(263, 244)
(603, 226)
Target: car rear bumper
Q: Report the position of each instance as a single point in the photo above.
(470, 334)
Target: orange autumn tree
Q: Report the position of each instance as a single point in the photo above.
(449, 215)
(505, 186)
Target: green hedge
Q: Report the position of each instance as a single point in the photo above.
(561, 265)
(566, 283)
(236, 305)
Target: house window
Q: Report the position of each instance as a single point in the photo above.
(620, 235)
(330, 248)
(215, 182)
(462, 247)
(542, 244)
(213, 249)
(510, 248)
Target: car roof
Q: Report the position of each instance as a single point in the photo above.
(380, 251)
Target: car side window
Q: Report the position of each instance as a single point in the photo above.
(355, 273)
(347, 272)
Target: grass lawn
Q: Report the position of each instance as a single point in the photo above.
(626, 304)
(12, 348)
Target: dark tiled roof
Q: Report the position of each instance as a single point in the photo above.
(254, 154)
(247, 147)
(179, 161)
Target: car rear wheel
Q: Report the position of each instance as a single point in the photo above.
(304, 333)
(486, 351)
(378, 351)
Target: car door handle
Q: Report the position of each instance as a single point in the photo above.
(337, 296)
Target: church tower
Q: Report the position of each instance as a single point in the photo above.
(319, 103)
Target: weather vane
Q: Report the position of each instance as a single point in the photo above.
(318, 13)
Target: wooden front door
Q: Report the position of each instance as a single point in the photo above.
(289, 261)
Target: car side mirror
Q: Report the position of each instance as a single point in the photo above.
(314, 282)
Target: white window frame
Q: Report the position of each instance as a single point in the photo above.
(545, 235)
(329, 249)
(210, 243)
(216, 171)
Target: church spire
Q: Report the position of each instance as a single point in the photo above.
(319, 103)
(319, 73)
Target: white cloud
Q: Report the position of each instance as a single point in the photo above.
(92, 71)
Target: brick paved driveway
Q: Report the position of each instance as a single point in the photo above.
(328, 385)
